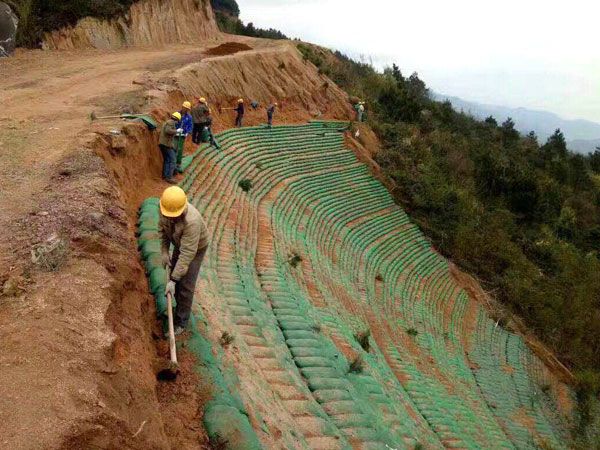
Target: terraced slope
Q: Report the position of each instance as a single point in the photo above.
(316, 252)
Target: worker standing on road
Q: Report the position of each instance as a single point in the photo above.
(240, 113)
(186, 124)
(200, 113)
(182, 225)
(165, 143)
(270, 111)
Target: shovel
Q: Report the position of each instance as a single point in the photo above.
(170, 372)
(148, 121)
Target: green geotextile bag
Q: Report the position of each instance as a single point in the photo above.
(224, 416)
(149, 246)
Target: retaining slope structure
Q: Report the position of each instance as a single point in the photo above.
(316, 252)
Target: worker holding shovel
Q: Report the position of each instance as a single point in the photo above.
(240, 113)
(182, 225)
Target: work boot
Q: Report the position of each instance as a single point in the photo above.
(171, 180)
(178, 330)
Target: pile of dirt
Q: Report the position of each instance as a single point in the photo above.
(229, 48)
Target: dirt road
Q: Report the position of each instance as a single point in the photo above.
(70, 354)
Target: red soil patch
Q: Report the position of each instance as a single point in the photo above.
(229, 48)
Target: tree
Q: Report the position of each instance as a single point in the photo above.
(510, 136)
(397, 74)
(491, 121)
(594, 159)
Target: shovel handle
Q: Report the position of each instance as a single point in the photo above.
(172, 345)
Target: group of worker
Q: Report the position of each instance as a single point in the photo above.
(197, 122)
(181, 224)
(240, 110)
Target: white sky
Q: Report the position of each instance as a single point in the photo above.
(530, 53)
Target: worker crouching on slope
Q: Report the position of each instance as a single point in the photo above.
(186, 125)
(165, 143)
(270, 111)
(181, 225)
(240, 113)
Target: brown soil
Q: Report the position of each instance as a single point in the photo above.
(79, 356)
(229, 48)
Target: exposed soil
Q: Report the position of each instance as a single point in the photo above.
(229, 48)
(77, 358)
(81, 339)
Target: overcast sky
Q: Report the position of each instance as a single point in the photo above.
(530, 53)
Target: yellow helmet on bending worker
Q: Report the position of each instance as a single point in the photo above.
(173, 202)
(181, 225)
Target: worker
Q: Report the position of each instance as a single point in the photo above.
(165, 143)
(360, 110)
(270, 112)
(240, 113)
(186, 124)
(199, 114)
(182, 225)
(211, 137)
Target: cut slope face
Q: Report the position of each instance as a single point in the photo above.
(149, 22)
(316, 252)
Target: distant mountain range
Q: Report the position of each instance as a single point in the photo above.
(583, 136)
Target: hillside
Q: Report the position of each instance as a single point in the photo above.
(583, 136)
(324, 317)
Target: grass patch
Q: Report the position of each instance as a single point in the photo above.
(357, 365)
(294, 260)
(363, 340)
(245, 184)
(226, 339)
(51, 255)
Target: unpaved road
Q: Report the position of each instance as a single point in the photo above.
(58, 332)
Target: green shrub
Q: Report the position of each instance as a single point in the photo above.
(245, 184)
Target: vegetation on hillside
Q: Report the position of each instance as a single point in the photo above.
(227, 12)
(523, 216)
(39, 16)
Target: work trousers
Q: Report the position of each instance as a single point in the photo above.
(169, 159)
(185, 287)
(197, 133)
(270, 120)
(180, 144)
(238, 120)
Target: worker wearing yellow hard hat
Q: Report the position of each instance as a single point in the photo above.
(200, 116)
(240, 113)
(181, 225)
(185, 128)
(166, 146)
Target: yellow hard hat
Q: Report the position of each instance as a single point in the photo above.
(173, 202)
(202, 100)
(187, 105)
(241, 100)
(176, 115)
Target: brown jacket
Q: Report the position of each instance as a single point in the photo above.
(167, 132)
(188, 234)
(200, 113)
